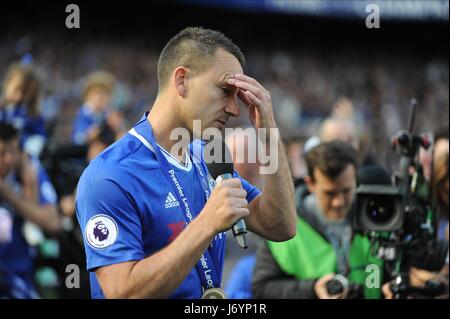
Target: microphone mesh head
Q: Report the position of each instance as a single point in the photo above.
(218, 158)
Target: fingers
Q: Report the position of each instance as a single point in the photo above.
(250, 104)
(419, 277)
(257, 91)
(256, 101)
(387, 291)
(243, 96)
(246, 78)
(232, 182)
(237, 192)
(327, 278)
(232, 189)
(242, 212)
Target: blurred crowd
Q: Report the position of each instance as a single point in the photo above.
(62, 104)
(304, 82)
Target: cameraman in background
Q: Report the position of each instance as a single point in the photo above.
(420, 278)
(306, 266)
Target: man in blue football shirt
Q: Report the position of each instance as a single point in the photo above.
(152, 223)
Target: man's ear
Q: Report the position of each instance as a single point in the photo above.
(180, 76)
(310, 183)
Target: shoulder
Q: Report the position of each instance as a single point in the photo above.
(122, 162)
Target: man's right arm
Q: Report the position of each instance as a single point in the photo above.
(158, 275)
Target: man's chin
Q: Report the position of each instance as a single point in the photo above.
(336, 215)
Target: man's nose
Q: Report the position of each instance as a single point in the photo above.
(232, 108)
(338, 201)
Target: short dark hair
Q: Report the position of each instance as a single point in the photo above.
(331, 158)
(193, 47)
(8, 132)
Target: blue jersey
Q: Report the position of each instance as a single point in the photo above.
(84, 120)
(15, 253)
(18, 117)
(127, 210)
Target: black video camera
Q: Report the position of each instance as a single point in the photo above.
(399, 218)
(378, 208)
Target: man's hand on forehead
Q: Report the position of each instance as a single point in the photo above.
(256, 98)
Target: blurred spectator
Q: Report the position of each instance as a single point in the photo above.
(343, 129)
(441, 142)
(20, 106)
(439, 180)
(27, 205)
(295, 149)
(324, 245)
(343, 124)
(71, 240)
(97, 96)
(339, 129)
(440, 189)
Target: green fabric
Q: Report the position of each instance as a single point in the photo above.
(310, 256)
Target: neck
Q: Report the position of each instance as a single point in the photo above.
(163, 118)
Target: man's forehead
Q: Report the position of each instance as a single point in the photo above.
(226, 65)
(227, 75)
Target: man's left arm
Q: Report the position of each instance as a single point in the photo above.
(272, 214)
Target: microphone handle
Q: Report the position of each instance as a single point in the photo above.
(239, 229)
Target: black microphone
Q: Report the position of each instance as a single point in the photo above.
(221, 170)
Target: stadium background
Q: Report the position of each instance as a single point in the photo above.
(307, 53)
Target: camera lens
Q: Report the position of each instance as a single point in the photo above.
(334, 287)
(379, 210)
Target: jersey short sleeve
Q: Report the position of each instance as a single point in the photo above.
(109, 221)
(251, 190)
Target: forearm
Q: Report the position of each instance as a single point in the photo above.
(46, 217)
(276, 206)
(158, 275)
